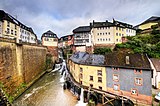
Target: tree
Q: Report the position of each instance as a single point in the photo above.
(102, 51)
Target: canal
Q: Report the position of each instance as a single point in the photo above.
(47, 91)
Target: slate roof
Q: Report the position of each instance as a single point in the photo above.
(135, 60)
(151, 19)
(8, 17)
(65, 38)
(49, 34)
(114, 59)
(101, 24)
(110, 24)
(122, 24)
(87, 59)
(82, 29)
(156, 63)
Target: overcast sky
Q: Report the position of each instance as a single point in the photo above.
(62, 16)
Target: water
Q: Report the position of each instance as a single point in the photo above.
(63, 77)
(81, 101)
(47, 91)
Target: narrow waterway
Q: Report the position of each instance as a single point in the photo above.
(47, 91)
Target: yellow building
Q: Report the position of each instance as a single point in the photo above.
(49, 39)
(86, 69)
(104, 33)
(14, 29)
(9, 27)
(149, 22)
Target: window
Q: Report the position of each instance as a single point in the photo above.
(81, 76)
(115, 68)
(91, 85)
(15, 26)
(12, 32)
(15, 32)
(108, 33)
(99, 79)
(80, 82)
(116, 87)
(138, 81)
(97, 39)
(116, 28)
(100, 87)
(108, 27)
(8, 31)
(81, 69)
(117, 34)
(91, 78)
(115, 77)
(119, 28)
(117, 40)
(99, 72)
(8, 24)
(109, 39)
(106, 39)
(97, 33)
(103, 39)
(138, 71)
(122, 34)
(134, 91)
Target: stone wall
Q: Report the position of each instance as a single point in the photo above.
(20, 64)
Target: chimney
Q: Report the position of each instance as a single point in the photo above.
(127, 60)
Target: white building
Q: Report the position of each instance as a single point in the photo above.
(155, 64)
(27, 34)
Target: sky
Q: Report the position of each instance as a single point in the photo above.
(62, 16)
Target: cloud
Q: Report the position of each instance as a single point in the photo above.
(62, 16)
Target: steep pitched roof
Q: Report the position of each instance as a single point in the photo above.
(122, 24)
(135, 60)
(49, 34)
(151, 19)
(82, 29)
(8, 17)
(156, 63)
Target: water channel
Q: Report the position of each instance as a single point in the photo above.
(47, 91)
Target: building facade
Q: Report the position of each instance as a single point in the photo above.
(118, 73)
(66, 41)
(49, 39)
(12, 28)
(92, 74)
(82, 38)
(105, 33)
(155, 64)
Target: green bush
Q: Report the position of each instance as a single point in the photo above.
(102, 51)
